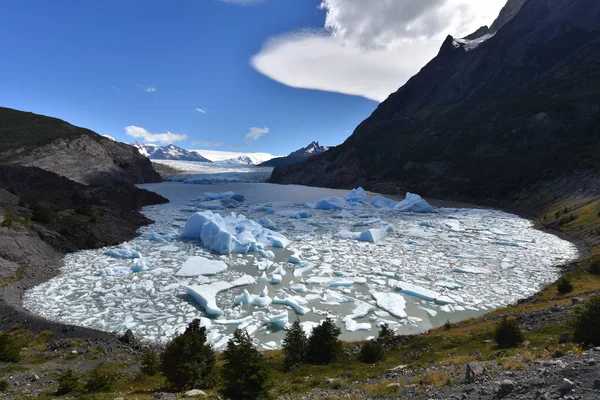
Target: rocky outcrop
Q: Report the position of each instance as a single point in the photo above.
(297, 156)
(482, 122)
(76, 153)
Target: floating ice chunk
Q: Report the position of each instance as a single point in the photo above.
(294, 259)
(275, 279)
(353, 326)
(169, 248)
(263, 265)
(124, 252)
(344, 282)
(333, 297)
(393, 303)
(374, 235)
(155, 237)
(417, 291)
(298, 288)
(211, 205)
(195, 266)
(266, 222)
(279, 321)
(318, 280)
(231, 234)
(382, 202)
(205, 295)
(332, 203)
(146, 286)
(432, 313)
(295, 214)
(357, 196)
(139, 265)
(115, 271)
(361, 310)
(210, 196)
(302, 268)
(465, 269)
(414, 203)
(262, 300)
(293, 303)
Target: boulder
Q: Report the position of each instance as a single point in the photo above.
(474, 371)
(506, 387)
(128, 337)
(566, 386)
(195, 393)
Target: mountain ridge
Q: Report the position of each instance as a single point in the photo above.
(519, 109)
(299, 155)
(168, 152)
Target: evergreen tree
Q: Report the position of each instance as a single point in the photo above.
(245, 372)
(323, 344)
(188, 361)
(295, 344)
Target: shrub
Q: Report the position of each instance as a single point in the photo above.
(245, 372)
(595, 267)
(42, 214)
(68, 382)
(150, 364)
(508, 333)
(100, 379)
(587, 323)
(564, 286)
(3, 385)
(371, 352)
(188, 361)
(386, 335)
(10, 350)
(323, 344)
(294, 346)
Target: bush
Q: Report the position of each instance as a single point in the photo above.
(587, 323)
(323, 344)
(564, 286)
(595, 267)
(188, 361)
(371, 352)
(68, 382)
(10, 350)
(150, 364)
(3, 385)
(294, 346)
(245, 372)
(100, 379)
(386, 335)
(508, 333)
(42, 214)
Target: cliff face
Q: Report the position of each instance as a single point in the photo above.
(79, 154)
(482, 119)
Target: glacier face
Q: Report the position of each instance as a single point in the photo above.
(414, 272)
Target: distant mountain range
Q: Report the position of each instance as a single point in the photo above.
(297, 156)
(169, 152)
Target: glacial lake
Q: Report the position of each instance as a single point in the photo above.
(423, 269)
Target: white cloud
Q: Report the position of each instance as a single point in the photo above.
(150, 89)
(201, 110)
(372, 48)
(254, 134)
(147, 137)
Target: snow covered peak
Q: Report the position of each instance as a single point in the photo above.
(472, 44)
(109, 137)
(169, 152)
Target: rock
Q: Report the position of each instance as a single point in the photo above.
(564, 337)
(194, 393)
(128, 337)
(506, 386)
(394, 385)
(597, 384)
(576, 300)
(566, 386)
(474, 371)
(591, 362)
(398, 368)
(74, 352)
(35, 378)
(526, 343)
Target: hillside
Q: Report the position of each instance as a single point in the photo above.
(297, 156)
(79, 154)
(484, 119)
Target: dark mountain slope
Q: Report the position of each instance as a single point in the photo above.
(522, 107)
(79, 154)
(297, 156)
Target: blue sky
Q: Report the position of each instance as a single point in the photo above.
(250, 68)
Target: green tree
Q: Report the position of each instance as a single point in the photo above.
(564, 286)
(294, 346)
(68, 382)
(587, 323)
(246, 372)
(150, 363)
(508, 333)
(10, 351)
(371, 352)
(188, 361)
(323, 344)
(101, 378)
(386, 335)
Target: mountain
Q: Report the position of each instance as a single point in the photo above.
(79, 154)
(297, 156)
(482, 120)
(237, 158)
(170, 152)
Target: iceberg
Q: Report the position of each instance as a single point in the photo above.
(195, 266)
(353, 326)
(262, 300)
(231, 234)
(265, 222)
(415, 204)
(382, 202)
(332, 203)
(357, 196)
(374, 235)
(416, 291)
(292, 302)
(205, 295)
(123, 253)
(393, 303)
(115, 271)
(279, 321)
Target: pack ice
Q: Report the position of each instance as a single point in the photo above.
(362, 260)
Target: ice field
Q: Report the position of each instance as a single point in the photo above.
(256, 256)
